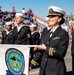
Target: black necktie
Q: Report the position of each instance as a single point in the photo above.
(51, 33)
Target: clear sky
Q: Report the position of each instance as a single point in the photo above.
(39, 7)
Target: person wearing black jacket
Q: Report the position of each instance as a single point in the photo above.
(21, 32)
(39, 53)
(7, 36)
(35, 39)
(54, 52)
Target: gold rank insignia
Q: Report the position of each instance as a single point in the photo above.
(34, 62)
(51, 51)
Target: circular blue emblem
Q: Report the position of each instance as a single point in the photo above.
(15, 61)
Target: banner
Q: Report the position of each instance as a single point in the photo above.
(14, 59)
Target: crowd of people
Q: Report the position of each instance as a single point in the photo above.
(52, 43)
(20, 28)
(10, 17)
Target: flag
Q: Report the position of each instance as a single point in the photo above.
(14, 59)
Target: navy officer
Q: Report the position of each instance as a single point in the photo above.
(53, 58)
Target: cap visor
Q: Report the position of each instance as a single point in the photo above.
(54, 14)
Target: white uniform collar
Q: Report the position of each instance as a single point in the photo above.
(33, 32)
(18, 28)
(7, 32)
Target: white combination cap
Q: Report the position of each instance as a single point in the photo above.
(19, 14)
(9, 23)
(32, 26)
(53, 10)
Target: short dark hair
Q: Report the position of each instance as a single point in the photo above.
(62, 21)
